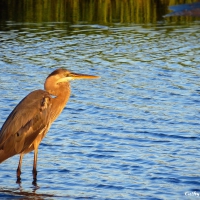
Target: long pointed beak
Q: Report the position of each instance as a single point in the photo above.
(82, 76)
(73, 76)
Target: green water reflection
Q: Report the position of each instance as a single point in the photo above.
(89, 11)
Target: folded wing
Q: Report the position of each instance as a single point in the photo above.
(29, 118)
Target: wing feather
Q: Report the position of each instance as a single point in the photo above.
(27, 120)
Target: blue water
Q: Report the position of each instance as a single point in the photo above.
(133, 134)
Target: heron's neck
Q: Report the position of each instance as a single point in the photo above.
(59, 101)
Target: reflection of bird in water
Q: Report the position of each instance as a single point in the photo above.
(31, 119)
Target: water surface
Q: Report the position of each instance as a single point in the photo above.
(133, 134)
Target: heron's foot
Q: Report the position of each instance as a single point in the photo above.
(18, 175)
(18, 180)
(34, 181)
(34, 177)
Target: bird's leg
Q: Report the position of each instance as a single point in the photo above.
(19, 168)
(35, 166)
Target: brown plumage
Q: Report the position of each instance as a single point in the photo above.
(31, 119)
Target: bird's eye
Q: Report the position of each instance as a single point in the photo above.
(66, 75)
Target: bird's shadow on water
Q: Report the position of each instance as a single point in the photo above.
(20, 193)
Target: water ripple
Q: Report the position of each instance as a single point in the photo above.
(133, 134)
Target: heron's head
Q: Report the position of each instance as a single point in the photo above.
(60, 78)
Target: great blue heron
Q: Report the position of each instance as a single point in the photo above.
(31, 119)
